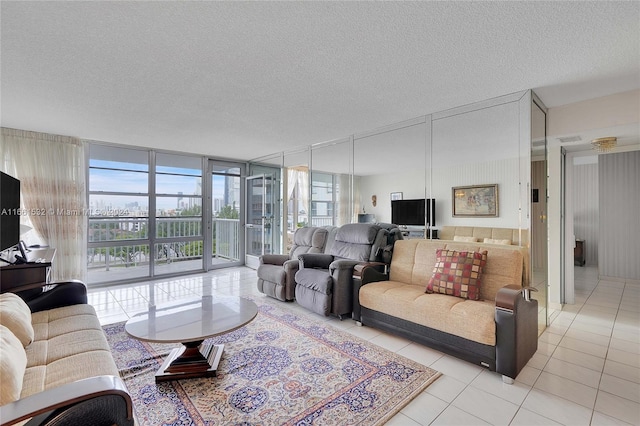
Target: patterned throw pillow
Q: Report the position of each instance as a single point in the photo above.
(457, 273)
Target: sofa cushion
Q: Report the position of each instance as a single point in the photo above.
(69, 345)
(462, 239)
(469, 319)
(13, 362)
(16, 316)
(495, 241)
(457, 273)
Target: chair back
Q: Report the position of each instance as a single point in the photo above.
(394, 234)
(308, 240)
(359, 241)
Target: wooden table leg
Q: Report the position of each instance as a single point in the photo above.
(193, 359)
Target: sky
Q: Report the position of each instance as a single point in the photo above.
(135, 180)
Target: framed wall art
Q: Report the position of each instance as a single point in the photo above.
(475, 201)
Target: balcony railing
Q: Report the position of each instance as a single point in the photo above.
(225, 237)
(131, 258)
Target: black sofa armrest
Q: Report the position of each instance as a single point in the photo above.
(365, 273)
(516, 330)
(96, 400)
(315, 260)
(273, 259)
(55, 295)
(371, 272)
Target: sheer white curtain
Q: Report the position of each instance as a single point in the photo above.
(292, 180)
(358, 206)
(51, 170)
(303, 191)
(298, 189)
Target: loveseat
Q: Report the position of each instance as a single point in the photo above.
(497, 331)
(56, 365)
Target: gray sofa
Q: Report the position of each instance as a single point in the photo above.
(276, 272)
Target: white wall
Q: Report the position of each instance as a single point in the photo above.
(619, 183)
(477, 145)
(609, 115)
(608, 111)
(585, 205)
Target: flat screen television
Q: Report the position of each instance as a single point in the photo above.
(9, 211)
(413, 212)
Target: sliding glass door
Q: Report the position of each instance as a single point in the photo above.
(259, 214)
(161, 214)
(226, 212)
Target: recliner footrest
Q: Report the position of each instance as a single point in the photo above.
(315, 279)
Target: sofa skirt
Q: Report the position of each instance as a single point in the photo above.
(468, 350)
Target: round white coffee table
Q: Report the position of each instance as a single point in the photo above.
(190, 323)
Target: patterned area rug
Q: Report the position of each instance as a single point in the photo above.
(280, 369)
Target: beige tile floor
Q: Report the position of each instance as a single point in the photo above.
(586, 370)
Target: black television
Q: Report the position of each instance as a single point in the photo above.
(414, 212)
(9, 211)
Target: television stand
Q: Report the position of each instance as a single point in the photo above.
(418, 232)
(32, 274)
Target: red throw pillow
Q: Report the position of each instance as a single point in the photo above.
(457, 273)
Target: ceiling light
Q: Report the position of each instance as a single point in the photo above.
(604, 144)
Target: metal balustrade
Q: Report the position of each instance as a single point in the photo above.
(132, 260)
(226, 244)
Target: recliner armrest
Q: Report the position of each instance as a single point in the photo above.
(273, 259)
(291, 265)
(315, 260)
(66, 396)
(343, 265)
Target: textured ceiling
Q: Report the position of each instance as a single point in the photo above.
(242, 80)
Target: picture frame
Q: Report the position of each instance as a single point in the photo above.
(475, 201)
(396, 196)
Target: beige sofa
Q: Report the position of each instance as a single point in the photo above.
(498, 331)
(510, 236)
(57, 367)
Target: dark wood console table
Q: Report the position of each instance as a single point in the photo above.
(32, 274)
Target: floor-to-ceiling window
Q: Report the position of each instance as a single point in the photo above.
(323, 199)
(118, 237)
(178, 244)
(153, 214)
